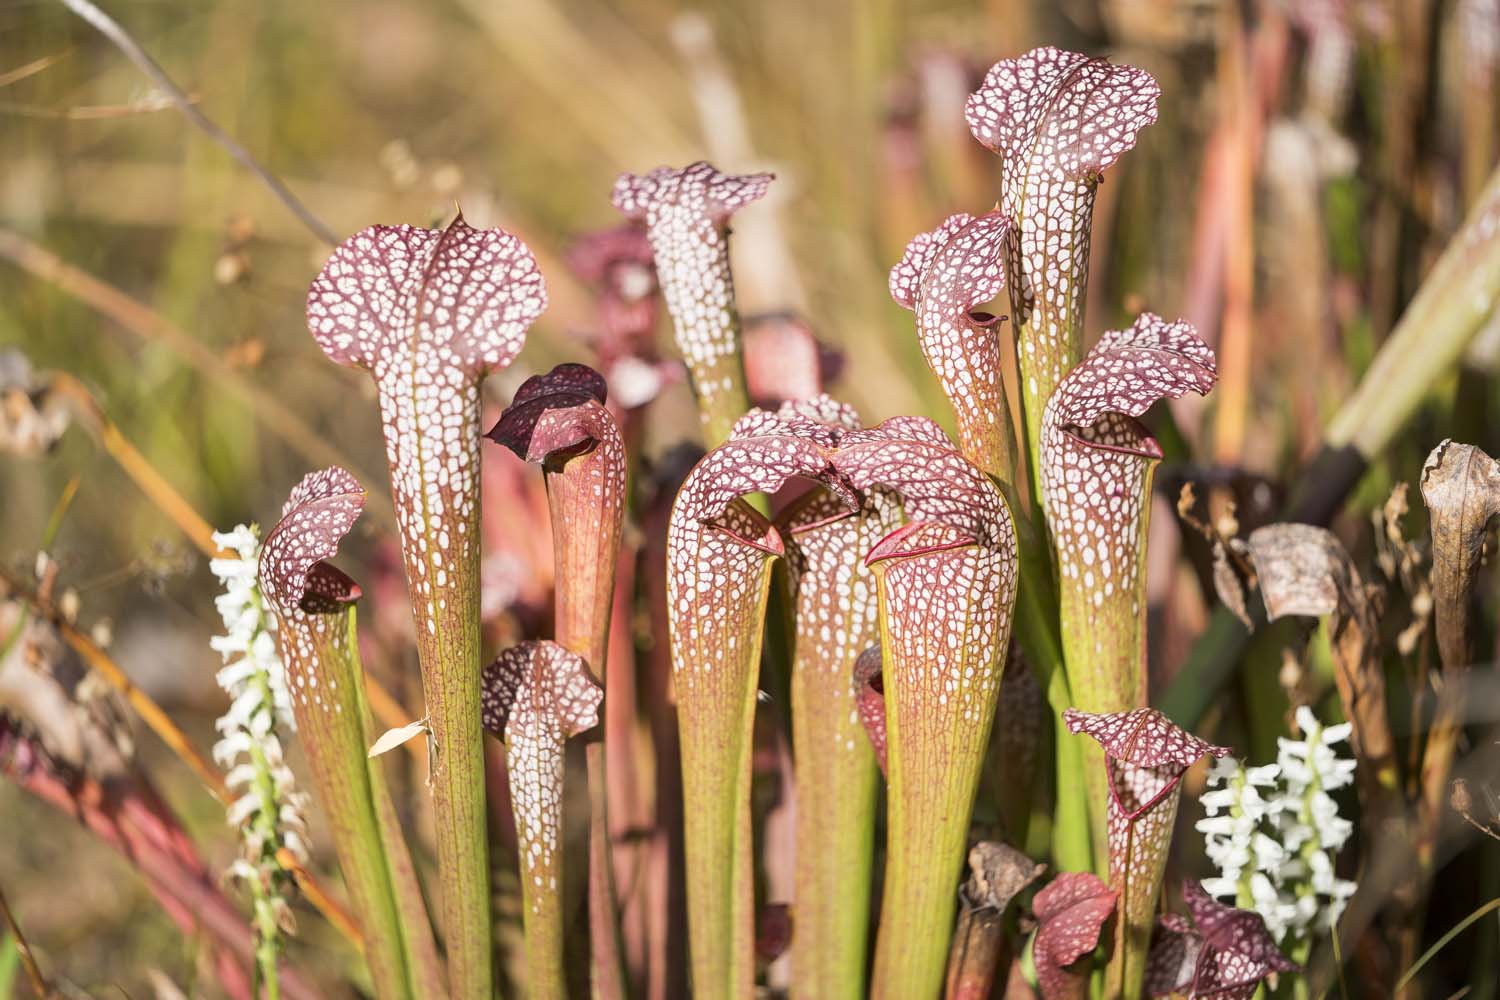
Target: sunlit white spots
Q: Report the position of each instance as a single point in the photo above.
(686, 212)
(534, 696)
(428, 313)
(943, 275)
(1058, 120)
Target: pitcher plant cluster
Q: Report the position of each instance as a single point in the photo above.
(872, 646)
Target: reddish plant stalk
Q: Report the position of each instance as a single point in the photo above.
(128, 815)
(559, 421)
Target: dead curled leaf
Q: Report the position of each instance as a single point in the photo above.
(1304, 570)
(1461, 486)
(393, 738)
(997, 874)
(1227, 584)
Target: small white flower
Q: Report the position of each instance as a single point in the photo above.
(268, 809)
(1274, 851)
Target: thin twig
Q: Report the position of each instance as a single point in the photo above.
(1442, 942)
(84, 112)
(150, 325)
(387, 708)
(110, 29)
(33, 970)
(28, 69)
(169, 733)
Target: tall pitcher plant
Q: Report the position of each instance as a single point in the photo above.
(947, 587)
(835, 620)
(313, 602)
(686, 211)
(1097, 464)
(428, 313)
(559, 421)
(720, 554)
(1058, 120)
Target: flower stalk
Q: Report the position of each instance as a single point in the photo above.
(268, 808)
(428, 313)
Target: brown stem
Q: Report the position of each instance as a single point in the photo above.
(169, 733)
(33, 970)
(977, 954)
(110, 29)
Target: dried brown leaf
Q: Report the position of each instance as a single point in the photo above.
(1461, 486)
(998, 873)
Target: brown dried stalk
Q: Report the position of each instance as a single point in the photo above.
(1461, 486)
(127, 814)
(169, 733)
(997, 874)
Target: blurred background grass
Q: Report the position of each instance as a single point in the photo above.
(1311, 159)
